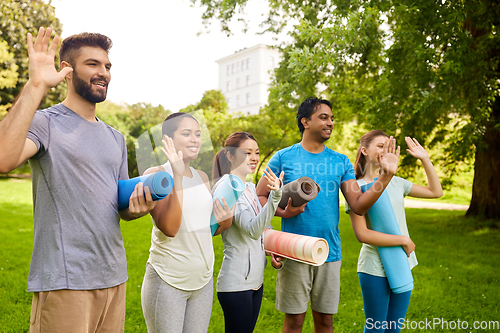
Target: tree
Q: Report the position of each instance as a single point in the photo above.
(214, 118)
(134, 121)
(220, 124)
(8, 73)
(17, 18)
(427, 69)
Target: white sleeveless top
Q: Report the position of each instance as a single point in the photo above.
(186, 261)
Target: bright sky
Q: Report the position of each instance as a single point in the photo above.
(157, 56)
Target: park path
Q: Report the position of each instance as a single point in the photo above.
(433, 205)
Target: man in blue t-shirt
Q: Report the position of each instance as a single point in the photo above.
(297, 283)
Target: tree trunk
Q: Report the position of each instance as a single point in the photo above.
(485, 202)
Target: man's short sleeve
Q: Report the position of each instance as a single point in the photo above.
(39, 131)
(349, 171)
(124, 166)
(347, 208)
(275, 164)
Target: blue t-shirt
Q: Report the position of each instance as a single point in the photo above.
(321, 216)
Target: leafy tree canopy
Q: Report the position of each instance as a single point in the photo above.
(427, 69)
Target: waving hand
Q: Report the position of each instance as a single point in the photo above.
(389, 157)
(42, 70)
(175, 158)
(415, 149)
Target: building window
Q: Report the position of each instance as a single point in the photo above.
(271, 62)
(248, 98)
(237, 83)
(243, 65)
(228, 70)
(233, 68)
(229, 102)
(248, 63)
(238, 100)
(248, 80)
(228, 85)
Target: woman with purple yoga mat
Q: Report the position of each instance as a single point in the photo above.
(384, 309)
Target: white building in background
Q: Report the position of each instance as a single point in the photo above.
(245, 76)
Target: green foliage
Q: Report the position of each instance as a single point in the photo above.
(270, 131)
(8, 69)
(17, 18)
(213, 100)
(219, 121)
(8, 73)
(212, 113)
(115, 115)
(408, 69)
(426, 69)
(132, 121)
(141, 118)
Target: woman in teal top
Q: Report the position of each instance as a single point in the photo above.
(385, 310)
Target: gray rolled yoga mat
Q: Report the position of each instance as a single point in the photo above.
(301, 190)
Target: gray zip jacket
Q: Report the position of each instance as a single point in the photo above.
(244, 257)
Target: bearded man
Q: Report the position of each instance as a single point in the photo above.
(78, 267)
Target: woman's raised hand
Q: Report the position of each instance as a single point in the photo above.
(274, 183)
(415, 149)
(389, 157)
(175, 158)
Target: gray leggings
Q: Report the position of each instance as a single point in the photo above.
(171, 310)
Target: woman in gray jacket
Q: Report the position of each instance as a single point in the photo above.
(241, 278)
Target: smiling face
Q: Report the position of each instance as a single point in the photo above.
(321, 123)
(91, 74)
(187, 138)
(374, 148)
(246, 158)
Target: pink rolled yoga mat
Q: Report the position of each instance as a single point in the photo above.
(306, 249)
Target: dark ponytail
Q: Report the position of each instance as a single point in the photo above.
(222, 165)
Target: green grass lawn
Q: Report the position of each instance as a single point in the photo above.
(456, 279)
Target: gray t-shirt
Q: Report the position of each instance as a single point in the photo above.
(77, 240)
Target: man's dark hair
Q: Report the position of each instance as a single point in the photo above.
(71, 45)
(308, 108)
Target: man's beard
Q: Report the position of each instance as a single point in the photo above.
(85, 90)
